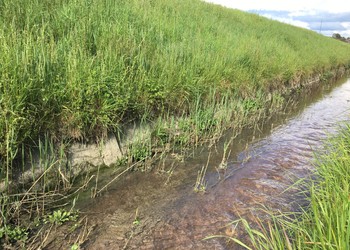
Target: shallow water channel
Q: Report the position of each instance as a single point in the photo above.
(159, 210)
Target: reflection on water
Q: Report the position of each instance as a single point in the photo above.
(172, 216)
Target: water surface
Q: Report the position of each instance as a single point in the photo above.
(161, 211)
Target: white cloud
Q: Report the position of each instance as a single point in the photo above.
(346, 25)
(289, 21)
(346, 33)
(334, 6)
(302, 13)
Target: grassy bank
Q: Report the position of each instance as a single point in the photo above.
(324, 224)
(77, 69)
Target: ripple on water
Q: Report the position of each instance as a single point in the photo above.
(174, 217)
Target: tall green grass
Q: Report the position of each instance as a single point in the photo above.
(77, 69)
(325, 223)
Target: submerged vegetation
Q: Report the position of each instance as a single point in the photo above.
(77, 70)
(324, 224)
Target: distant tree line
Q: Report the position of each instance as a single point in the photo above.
(339, 37)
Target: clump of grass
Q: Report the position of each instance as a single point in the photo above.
(324, 224)
(201, 184)
(225, 156)
(61, 216)
(14, 233)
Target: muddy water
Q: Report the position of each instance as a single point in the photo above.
(170, 215)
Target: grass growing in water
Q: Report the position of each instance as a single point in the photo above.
(325, 223)
(201, 184)
(75, 69)
(79, 69)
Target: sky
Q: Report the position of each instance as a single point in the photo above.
(323, 16)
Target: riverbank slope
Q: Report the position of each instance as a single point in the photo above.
(75, 71)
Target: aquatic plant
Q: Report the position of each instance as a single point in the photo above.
(201, 185)
(324, 224)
